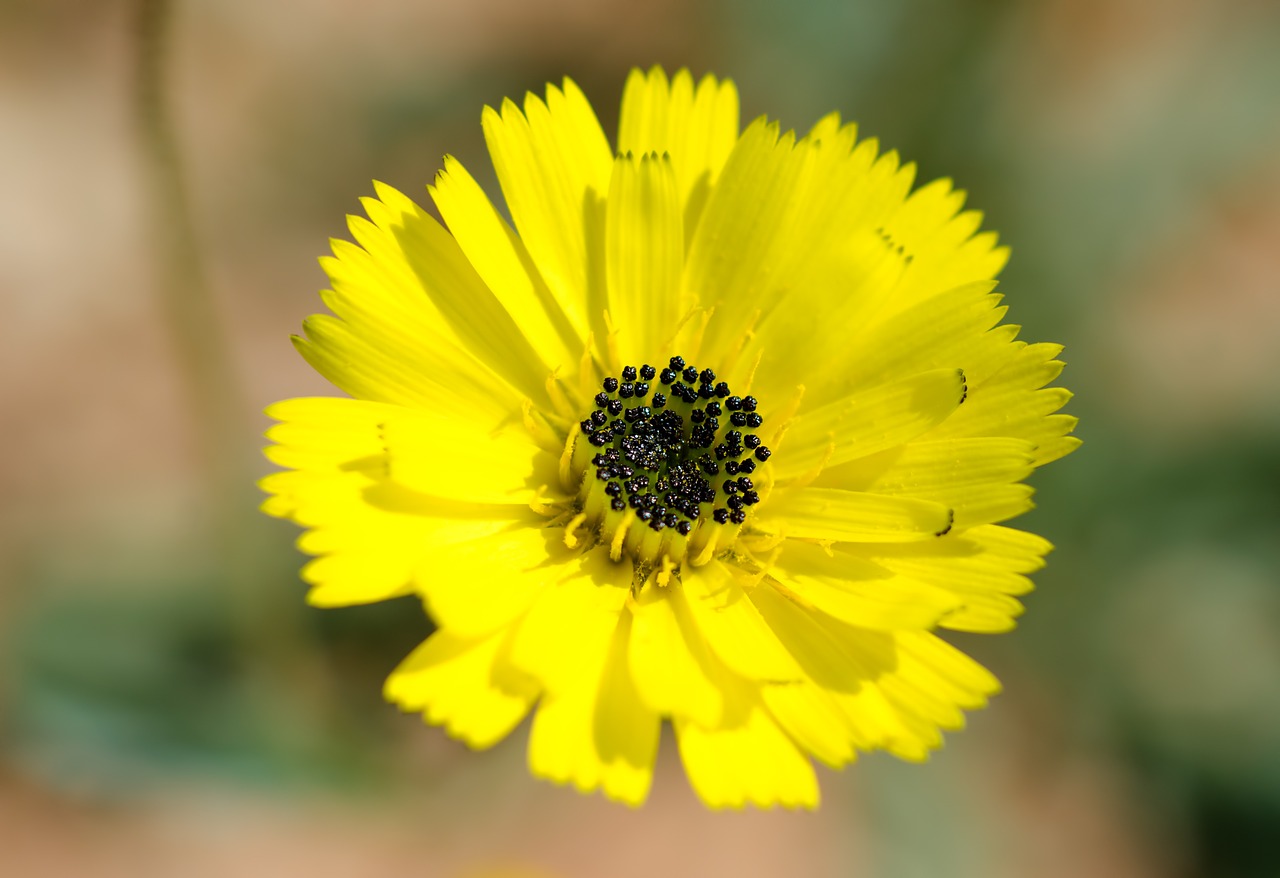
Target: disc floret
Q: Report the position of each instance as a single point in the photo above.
(673, 450)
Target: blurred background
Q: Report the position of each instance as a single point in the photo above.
(169, 705)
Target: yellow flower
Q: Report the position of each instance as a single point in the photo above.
(561, 438)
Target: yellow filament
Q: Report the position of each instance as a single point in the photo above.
(620, 536)
(664, 575)
(570, 538)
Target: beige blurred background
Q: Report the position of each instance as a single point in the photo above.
(168, 704)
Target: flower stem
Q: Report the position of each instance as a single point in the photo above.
(267, 623)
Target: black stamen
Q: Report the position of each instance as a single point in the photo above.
(664, 458)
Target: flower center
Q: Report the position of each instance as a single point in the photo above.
(667, 464)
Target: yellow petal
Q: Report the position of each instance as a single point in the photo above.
(625, 730)
(463, 685)
(696, 126)
(932, 682)
(554, 163)
(847, 284)
(594, 730)
(326, 433)
(984, 566)
(407, 292)
(837, 656)
(949, 330)
(954, 328)
(937, 468)
(358, 577)
(373, 534)
(573, 618)
(464, 303)
(503, 262)
(925, 712)
(977, 478)
(732, 256)
(370, 551)
(944, 670)
(669, 660)
(918, 688)
(1010, 403)
(432, 455)
(350, 510)
(808, 714)
(880, 723)
(846, 663)
(373, 361)
(942, 242)
(857, 516)
(644, 253)
(732, 626)
(425, 451)
(750, 762)
(828, 256)
(482, 585)
(869, 421)
(860, 592)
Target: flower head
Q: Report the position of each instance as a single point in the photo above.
(719, 432)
